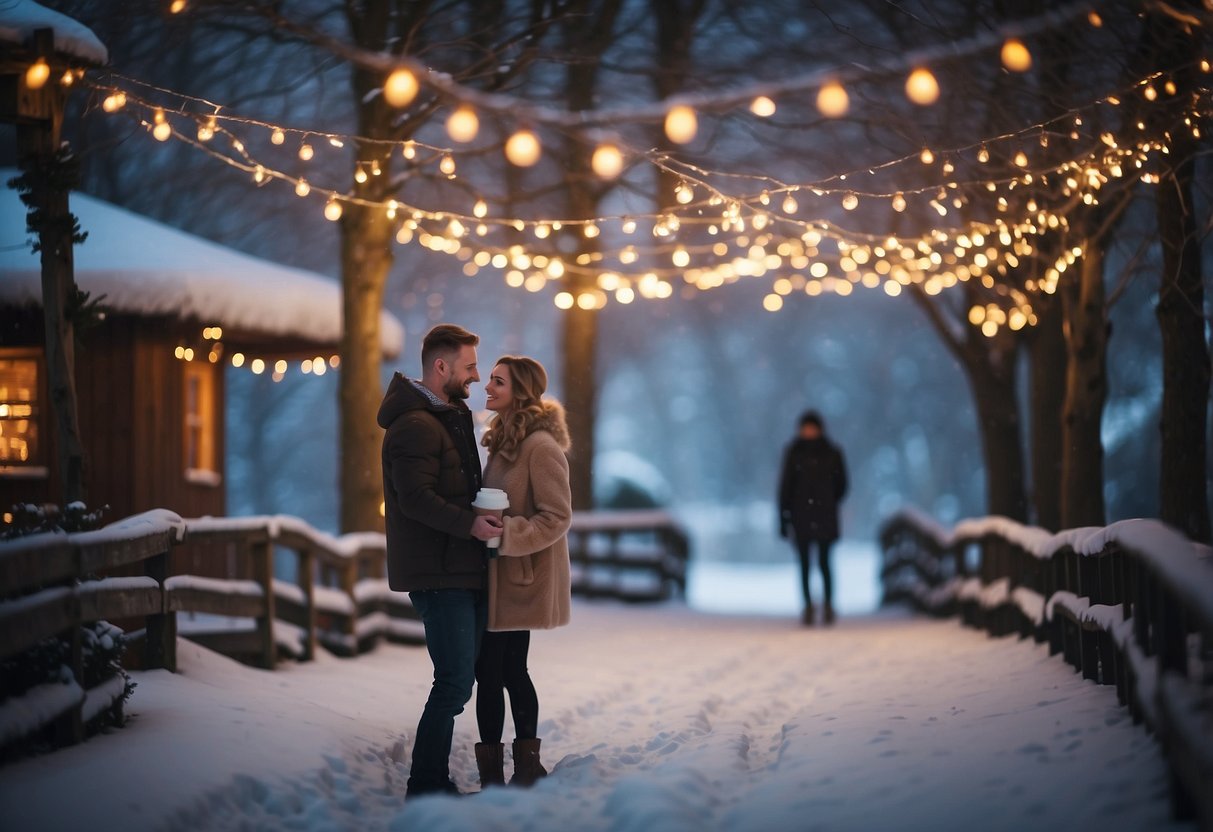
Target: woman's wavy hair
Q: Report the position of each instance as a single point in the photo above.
(528, 381)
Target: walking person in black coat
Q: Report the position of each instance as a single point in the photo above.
(812, 483)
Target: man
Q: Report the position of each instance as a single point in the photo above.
(431, 472)
(811, 485)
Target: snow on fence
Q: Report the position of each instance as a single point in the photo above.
(340, 598)
(1130, 604)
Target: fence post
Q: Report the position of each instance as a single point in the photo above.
(349, 578)
(262, 552)
(69, 727)
(160, 643)
(307, 582)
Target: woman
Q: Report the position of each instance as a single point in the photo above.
(529, 582)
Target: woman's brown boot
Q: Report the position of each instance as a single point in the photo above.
(490, 760)
(527, 768)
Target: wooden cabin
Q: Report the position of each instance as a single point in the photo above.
(181, 312)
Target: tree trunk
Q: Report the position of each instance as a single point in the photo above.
(997, 403)
(1082, 502)
(1184, 497)
(1047, 370)
(366, 258)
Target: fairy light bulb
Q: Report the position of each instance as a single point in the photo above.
(332, 210)
(790, 206)
(277, 136)
(400, 88)
(68, 79)
(360, 174)
(302, 188)
(681, 124)
(1021, 159)
(1015, 56)
(38, 74)
(206, 130)
(409, 149)
(607, 161)
(926, 156)
(922, 88)
(463, 124)
(983, 155)
(306, 152)
(447, 164)
(480, 209)
(832, 100)
(163, 130)
(683, 193)
(1150, 93)
(523, 149)
(176, 7)
(850, 202)
(899, 203)
(762, 107)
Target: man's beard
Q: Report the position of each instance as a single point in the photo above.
(455, 390)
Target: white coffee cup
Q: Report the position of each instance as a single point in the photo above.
(491, 501)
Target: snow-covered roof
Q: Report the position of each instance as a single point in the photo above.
(19, 19)
(148, 268)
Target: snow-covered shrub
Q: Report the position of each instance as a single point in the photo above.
(29, 518)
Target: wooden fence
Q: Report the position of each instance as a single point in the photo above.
(1129, 605)
(339, 597)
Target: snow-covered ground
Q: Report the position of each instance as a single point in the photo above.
(653, 718)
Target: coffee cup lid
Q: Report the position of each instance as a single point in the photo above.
(491, 498)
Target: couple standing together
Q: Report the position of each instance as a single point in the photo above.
(477, 611)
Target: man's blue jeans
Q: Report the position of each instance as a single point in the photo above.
(454, 622)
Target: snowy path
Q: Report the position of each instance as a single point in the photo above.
(655, 719)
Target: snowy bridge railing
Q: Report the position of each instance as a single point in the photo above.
(1129, 605)
(339, 597)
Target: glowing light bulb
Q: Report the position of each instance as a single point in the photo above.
(899, 203)
(332, 210)
(360, 174)
(162, 131)
(447, 164)
(302, 188)
(409, 149)
(926, 156)
(762, 107)
(277, 137)
(983, 155)
(400, 88)
(463, 124)
(607, 161)
(176, 7)
(1015, 56)
(681, 124)
(850, 202)
(480, 209)
(1021, 159)
(922, 88)
(790, 206)
(833, 101)
(206, 130)
(38, 74)
(306, 152)
(523, 148)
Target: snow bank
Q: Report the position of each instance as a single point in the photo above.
(19, 19)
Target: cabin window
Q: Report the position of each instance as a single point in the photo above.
(22, 438)
(201, 465)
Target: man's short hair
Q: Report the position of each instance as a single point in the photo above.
(444, 341)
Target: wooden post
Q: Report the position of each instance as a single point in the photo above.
(349, 577)
(262, 552)
(307, 582)
(160, 644)
(69, 727)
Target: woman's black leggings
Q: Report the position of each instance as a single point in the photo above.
(823, 560)
(501, 666)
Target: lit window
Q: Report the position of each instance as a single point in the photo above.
(22, 447)
(200, 462)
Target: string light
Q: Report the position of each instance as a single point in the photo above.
(332, 210)
(832, 100)
(38, 74)
(681, 124)
(922, 88)
(400, 88)
(1015, 56)
(607, 161)
(523, 149)
(463, 124)
(762, 106)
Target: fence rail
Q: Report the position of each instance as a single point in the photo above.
(1129, 605)
(339, 597)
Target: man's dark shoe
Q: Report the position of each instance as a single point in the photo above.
(418, 789)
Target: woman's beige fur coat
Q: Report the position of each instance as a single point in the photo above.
(529, 584)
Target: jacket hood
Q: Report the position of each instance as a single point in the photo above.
(553, 422)
(405, 394)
